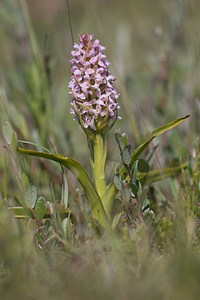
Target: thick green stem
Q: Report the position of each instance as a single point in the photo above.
(99, 161)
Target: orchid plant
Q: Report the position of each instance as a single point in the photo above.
(94, 105)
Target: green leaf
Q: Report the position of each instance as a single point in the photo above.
(34, 144)
(153, 135)
(25, 180)
(126, 155)
(134, 188)
(98, 211)
(126, 194)
(7, 133)
(124, 135)
(40, 208)
(111, 190)
(30, 196)
(118, 181)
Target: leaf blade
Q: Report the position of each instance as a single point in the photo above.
(98, 210)
(40, 208)
(30, 196)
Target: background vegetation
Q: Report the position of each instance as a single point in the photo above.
(154, 49)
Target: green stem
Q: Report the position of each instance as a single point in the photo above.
(99, 161)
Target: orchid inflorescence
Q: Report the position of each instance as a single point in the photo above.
(94, 98)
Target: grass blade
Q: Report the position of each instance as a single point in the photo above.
(157, 175)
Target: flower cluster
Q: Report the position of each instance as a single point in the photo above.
(91, 86)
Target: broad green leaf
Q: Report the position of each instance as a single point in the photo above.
(25, 180)
(118, 181)
(134, 188)
(7, 133)
(40, 208)
(125, 138)
(126, 194)
(84, 179)
(126, 155)
(111, 190)
(30, 196)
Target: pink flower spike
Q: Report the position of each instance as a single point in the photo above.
(91, 85)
